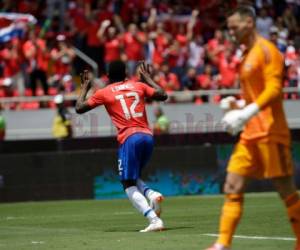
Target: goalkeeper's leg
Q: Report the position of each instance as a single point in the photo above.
(231, 211)
(288, 192)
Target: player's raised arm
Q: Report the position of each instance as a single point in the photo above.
(159, 94)
(82, 105)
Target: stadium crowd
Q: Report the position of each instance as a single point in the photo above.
(185, 41)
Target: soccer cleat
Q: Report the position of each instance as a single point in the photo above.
(218, 246)
(297, 246)
(155, 226)
(155, 203)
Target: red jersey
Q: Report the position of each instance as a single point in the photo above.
(37, 54)
(228, 71)
(204, 81)
(62, 66)
(181, 39)
(11, 62)
(92, 39)
(161, 44)
(112, 50)
(132, 47)
(169, 82)
(125, 104)
(214, 46)
(79, 19)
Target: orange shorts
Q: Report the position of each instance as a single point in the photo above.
(261, 160)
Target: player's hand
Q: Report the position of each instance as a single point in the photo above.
(235, 120)
(153, 12)
(148, 68)
(226, 103)
(230, 103)
(141, 71)
(144, 69)
(105, 23)
(86, 82)
(195, 13)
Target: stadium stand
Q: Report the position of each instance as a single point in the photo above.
(186, 42)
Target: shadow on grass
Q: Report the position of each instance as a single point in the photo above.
(120, 230)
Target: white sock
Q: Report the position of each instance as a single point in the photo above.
(140, 202)
(144, 188)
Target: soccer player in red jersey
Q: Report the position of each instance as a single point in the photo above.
(124, 101)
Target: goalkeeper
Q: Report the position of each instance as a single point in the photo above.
(263, 150)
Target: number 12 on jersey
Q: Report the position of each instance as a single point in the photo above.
(129, 113)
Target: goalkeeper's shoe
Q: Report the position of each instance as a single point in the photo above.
(155, 202)
(297, 246)
(218, 246)
(154, 226)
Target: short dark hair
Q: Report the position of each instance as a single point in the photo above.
(243, 10)
(117, 71)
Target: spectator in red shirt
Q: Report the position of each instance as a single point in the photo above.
(94, 47)
(133, 43)
(206, 81)
(36, 53)
(161, 40)
(26, 6)
(227, 68)
(216, 46)
(167, 80)
(177, 57)
(11, 57)
(112, 44)
(172, 54)
(78, 21)
(181, 35)
(62, 56)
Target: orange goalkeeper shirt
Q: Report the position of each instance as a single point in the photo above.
(261, 77)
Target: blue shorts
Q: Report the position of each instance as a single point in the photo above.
(133, 155)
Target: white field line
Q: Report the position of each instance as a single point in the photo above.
(256, 237)
(13, 218)
(37, 242)
(123, 213)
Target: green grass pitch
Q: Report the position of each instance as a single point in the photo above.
(114, 225)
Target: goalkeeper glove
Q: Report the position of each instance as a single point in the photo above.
(230, 102)
(235, 120)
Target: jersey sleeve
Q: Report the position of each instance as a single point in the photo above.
(148, 91)
(272, 64)
(96, 99)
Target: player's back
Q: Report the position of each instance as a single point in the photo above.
(125, 103)
(261, 74)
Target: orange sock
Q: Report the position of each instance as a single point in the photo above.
(292, 203)
(230, 217)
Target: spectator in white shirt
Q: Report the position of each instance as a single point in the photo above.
(264, 23)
